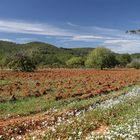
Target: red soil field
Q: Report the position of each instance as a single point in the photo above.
(65, 83)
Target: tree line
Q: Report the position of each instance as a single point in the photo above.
(31, 56)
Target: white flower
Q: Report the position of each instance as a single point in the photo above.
(79, 133)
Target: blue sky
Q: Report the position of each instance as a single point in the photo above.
(72, 23)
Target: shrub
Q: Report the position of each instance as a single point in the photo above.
(22, 63)
(75, 62)
(135, 64)
(124, 59)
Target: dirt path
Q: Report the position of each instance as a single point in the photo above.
(19, 126)
(11, 127)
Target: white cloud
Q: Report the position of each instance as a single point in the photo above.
(71, 24)
(123, 46)
(86, 38)
(6, 39)
(31, 28)
(115, 39)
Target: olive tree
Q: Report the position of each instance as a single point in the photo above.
(101, 58)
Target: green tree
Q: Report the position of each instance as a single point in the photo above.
(38, 58)
(51, 60)
(22, 62)
(135, 64)
(75, 62)
(101, 58)
(123, 59)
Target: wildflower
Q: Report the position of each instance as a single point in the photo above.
(79, 133)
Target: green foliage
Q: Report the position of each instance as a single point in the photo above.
(123, 59)
(82, 51)
(75, 62)
(135, 64)
(64, 57)
(43, 54)
(135, 56)
(43, 48)
(37, 58)
(22, 63)
(101, 58)
(2, 60)
(47, 55)
(51, 61)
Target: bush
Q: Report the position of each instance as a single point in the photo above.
(123, 59)
(75, 62)
(22, 62)
(135, 64)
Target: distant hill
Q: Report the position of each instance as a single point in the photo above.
(136, 55)
(11, 48)
(44, 48)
